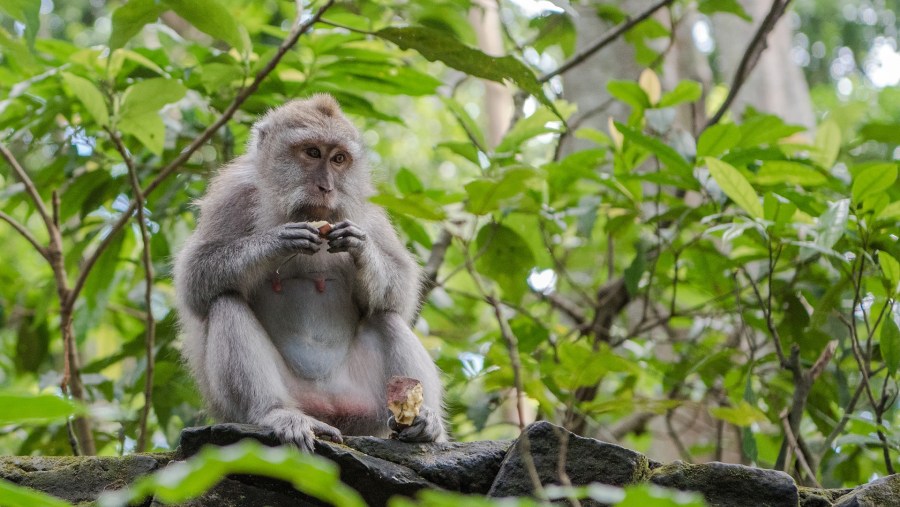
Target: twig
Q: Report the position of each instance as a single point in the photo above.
(433, 265)
(25, 234)
(175, 164)
(603, 41)
(751, 57)
(29, 185)
(150, 330)
(792, 441)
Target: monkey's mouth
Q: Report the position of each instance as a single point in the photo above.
(308, 212)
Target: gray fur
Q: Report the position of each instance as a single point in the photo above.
(311, 353)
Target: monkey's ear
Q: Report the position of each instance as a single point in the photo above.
(260, 133)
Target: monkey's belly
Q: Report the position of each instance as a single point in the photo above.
(309, 326)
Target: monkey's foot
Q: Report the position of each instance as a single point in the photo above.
(295, 427)
(426, 427)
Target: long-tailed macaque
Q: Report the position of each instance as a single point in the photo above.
(289, 329)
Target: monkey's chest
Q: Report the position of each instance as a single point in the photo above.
(311, 327)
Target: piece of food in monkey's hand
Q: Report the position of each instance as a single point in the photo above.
(323, 226)
(404, 398)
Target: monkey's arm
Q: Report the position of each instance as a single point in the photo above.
(227, 255)
(388, 278)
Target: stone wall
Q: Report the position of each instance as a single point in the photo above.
(379, 469)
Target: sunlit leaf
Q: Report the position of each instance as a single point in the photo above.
(666, 154)
(89, 95)
(27, 12)
(718, 139)
(742, 415)
(649, 82)
(39, 408)
(187, 480)
(730, 6)
(735, 186)
(130, 18)
(891, 269)
(827, 144)
(628, 92)
(417, 206)
(685, 91)
(873, 180)
(20, 496)
(774, 172)
(210, 17)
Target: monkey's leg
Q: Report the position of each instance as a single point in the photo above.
(405, 356)
(248, 378)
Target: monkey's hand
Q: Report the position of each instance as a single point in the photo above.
(295, 427)
(346, 237)
(426, 427)
(297, 237)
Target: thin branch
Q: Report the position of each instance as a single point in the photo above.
(792, 441)
(603, 41)
(433, 265)
(29, 185)
(150, 329)
(25, 234)
(751, 57)
(175, 164)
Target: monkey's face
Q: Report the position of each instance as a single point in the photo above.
(311, 160)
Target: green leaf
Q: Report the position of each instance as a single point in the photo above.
(505, 257)
(827, 144)
(666, 154)
(890, 344)
(735, 186)
(40, 408)
(891, 269)
(778, 209)
(408, 182)
(20, 496)
(830, 228)
(774, 172)
(183, 481)
(742, 415)
(416, 205)
(210, 17)
(881, 132)
(718, 139)
(130, 18)
(435, 45)
(890, 212)
(485, 195)
(628, 92)
(148, 128)
(542, 121)
(685, 91)
(149, 96)
(28, 12)
(90, 96)
(709, 7)
(873, 180)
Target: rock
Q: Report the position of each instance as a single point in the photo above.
(587, 460)
(467, 467)
(80, 478)
(814, 497)
(236, 493)
(374, 478)
(727, 485)
(884, 492)
(192, 439)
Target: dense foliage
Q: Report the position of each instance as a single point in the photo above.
(746, 274)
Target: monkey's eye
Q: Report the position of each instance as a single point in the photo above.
(313, 152)
(340, 158)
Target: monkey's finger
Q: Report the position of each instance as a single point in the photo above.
(424, 428)
(302, 246)
(348, 230)
(343, 244)
(302, 225)
(299, 233)
(326, 432)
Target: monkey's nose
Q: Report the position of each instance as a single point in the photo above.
(324, 190)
